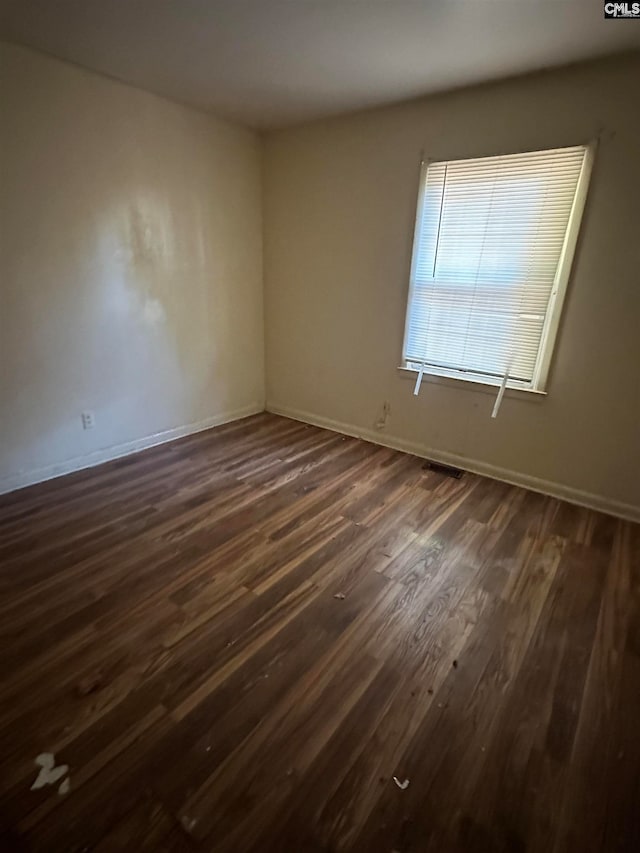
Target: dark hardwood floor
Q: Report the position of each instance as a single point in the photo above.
(236, 642)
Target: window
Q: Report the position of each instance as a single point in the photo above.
(493, 246)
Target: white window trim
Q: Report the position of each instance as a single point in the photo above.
(486, 384)
(552, 322)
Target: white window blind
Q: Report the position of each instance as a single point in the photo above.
(493, 237)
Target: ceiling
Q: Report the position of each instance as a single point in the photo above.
(268, 63)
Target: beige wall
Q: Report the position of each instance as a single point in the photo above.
(339, 209)
(130, 267)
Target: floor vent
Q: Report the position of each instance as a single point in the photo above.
(448, 470)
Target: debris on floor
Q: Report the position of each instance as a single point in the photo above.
(65, 787)
(340, 595)
(455, 664)
(188, 823)
(402, 785)
(49, 774)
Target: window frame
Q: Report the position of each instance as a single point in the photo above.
(548, 338)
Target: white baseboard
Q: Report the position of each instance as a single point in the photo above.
(515, 478)
(28, 478)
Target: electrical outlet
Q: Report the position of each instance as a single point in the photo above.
(88, 420)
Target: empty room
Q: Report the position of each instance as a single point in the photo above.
(319, 426)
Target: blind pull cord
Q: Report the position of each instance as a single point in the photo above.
(498, 402)
(416, 390)
(501, 390)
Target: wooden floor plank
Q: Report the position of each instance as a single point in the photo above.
(237, 640)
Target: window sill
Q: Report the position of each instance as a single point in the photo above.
(485, 386)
